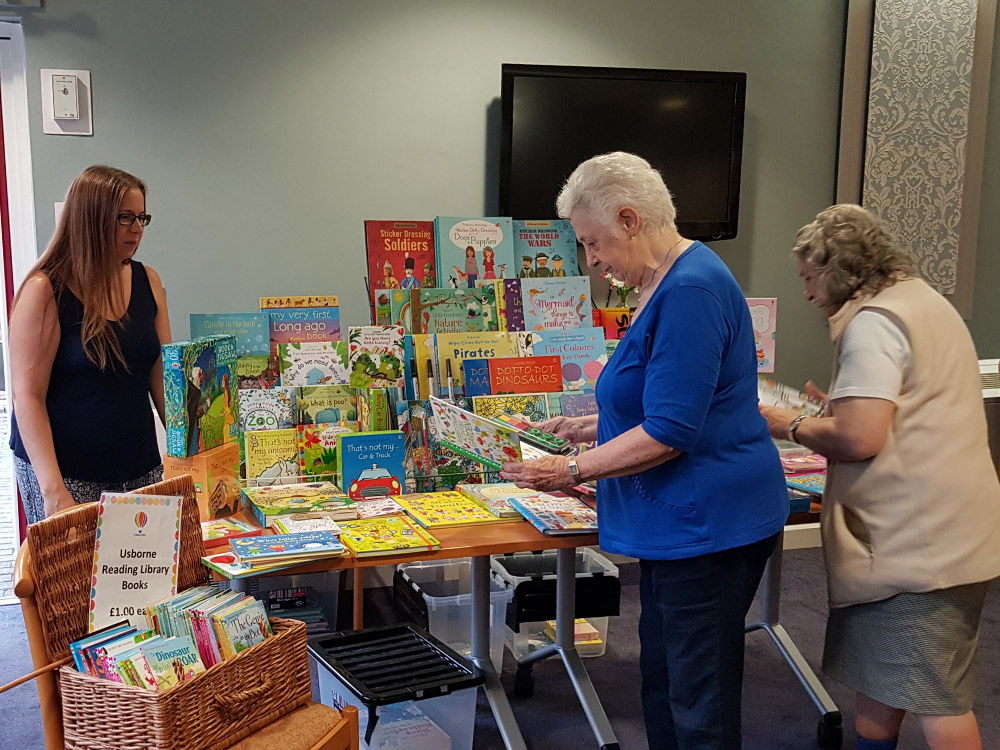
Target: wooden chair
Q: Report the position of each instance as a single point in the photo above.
(52, 581)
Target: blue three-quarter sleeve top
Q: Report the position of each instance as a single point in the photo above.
(686, 371)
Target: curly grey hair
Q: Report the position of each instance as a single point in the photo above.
(607, 183)
(852, 252)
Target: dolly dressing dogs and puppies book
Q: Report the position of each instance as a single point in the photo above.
(471, 251)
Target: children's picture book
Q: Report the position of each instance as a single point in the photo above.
(513, 305)
(318, 450)
(538, 374)
(772, 393)
(271, 457)
(305, 545)
(244, 625)
(531, 407)
(441, 510)
(471, 251)
(475, 437)
(218, 531)
(313, 363)
(496, 497)
(429, 465)
(556, 303)
(173, 660)
(577, 405)
(373, 410)
(251, 330)
(581, 351)
(199, 391)
(555, 515)
(294, 523)
(388, 535)
(375, 356)
(461, 310)
(301, 324)
(371, 464)
(615, 321)
(226, 565)
(461, 346)
(812, 483)
(326, 403)
(400, 255)
(545, 248)
(257, 371)
(764, 314)
(266, 503)
(271, 409)
(298, 301)
(379, 506)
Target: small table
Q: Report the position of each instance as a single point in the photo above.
(480, 543)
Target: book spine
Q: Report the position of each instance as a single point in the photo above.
(175, 388)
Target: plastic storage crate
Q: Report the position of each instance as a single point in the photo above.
(535, 635)
(532, 577)
(437, 595)
(324, 590)
(394, 672)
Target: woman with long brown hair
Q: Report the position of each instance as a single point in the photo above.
(86, 329)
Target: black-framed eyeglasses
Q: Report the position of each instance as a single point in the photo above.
(127, 220)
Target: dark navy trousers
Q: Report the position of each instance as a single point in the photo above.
(691, 637)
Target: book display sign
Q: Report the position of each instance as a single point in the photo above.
(135, 556)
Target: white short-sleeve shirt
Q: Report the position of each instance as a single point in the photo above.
(875, 358)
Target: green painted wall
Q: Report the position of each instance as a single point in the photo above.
(268, 132)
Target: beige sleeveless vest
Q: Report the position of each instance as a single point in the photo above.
(923, 514)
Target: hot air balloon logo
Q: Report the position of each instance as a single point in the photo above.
(140, 520)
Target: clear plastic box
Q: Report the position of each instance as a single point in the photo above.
(324, 589)
(536, 635)
(442, 591)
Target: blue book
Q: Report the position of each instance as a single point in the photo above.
(277, 547)
(371, 464)
(476, 373)
(583, 353)
(109, 633)
(473, 250)
(251, 330)
(551, 246)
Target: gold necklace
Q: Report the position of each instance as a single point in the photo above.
(643, 287)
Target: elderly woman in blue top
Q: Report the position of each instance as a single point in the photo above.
(688, 477)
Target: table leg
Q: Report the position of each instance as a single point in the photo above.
(502, 712)
(566, 645)
(359, 598)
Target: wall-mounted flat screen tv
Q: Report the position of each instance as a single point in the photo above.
(687, 124)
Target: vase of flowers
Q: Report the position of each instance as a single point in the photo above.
(622, 289)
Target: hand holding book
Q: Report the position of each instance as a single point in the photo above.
(574, 429)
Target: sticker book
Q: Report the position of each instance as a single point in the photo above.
(471, 251)
(400, 255)
(582, 353)
(550, 246)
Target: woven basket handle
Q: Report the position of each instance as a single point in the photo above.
(233, 705)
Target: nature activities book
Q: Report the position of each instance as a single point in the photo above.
(471, 251)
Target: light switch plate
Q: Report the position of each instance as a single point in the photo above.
(65, 103)
(84, 122)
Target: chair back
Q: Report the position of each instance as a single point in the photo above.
(60, 560)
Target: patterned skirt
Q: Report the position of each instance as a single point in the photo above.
(915, 652)
(80, 490)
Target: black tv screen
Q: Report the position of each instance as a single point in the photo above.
(687, 124)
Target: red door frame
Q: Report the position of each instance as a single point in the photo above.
(8, 276)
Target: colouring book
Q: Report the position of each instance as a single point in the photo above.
(582, 353)
(475, 437)
(313, 363)
(471, 251)
(764, 314)
(251, 330)
(546, 249)
(531, 407)
(295, 523)
(556, 303)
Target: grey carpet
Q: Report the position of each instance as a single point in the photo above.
(777, 713)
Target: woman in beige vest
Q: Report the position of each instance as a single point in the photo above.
(911, 511)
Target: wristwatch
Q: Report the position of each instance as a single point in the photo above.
(574, 470)
(794, 427)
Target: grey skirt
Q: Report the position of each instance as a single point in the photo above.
(912, 651)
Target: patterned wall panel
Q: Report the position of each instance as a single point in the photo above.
(918, 127)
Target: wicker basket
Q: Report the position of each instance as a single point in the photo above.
(230, 701)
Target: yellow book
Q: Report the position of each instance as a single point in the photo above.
(389, 535)
(477, 345)
(441, 510)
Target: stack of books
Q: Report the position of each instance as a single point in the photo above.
(286, 549)
(391, 535)
(268, 503)
(554, 515)
(496, 497)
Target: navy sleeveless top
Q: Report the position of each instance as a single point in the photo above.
(102, 422)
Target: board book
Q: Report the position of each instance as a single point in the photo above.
(271, 457)
(326, 403)
(391, 535)
(200, 394)
(318, 449)
(270, 409)
(313, 363)
(375, 356)
(371, 464)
